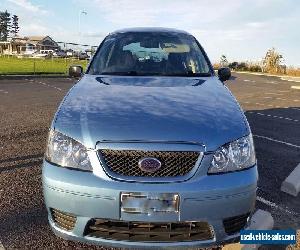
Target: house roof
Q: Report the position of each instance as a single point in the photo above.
(36, 38)
(31, 39)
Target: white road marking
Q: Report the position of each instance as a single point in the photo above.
(246, 80)
(273, 94)
(267, 97)
(47, 85)
(278, 141)
(279, 98)
(296, 100)
(291, 79)
(269, 105)
(295, 87)
(284, 91)
(272, 82)
(260, 104)
(274, 205)
(3, 91)
(273, 116)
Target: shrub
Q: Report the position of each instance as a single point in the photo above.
(255, 68)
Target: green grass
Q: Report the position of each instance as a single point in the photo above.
(10, 65)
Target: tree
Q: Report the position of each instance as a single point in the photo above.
(272, 61)
(223, 61)
(233, 65)
(15, 26)
(4, 25)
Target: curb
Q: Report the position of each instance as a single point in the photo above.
(281, 77)
(291, 185)
(266, 74)
(261, 220)
(21, 77)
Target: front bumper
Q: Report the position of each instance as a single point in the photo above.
(207, 198)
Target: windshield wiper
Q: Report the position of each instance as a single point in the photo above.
(120, 73)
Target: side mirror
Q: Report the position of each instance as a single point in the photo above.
(224, 74)
(75, 71)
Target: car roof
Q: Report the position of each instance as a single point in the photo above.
(150, 29)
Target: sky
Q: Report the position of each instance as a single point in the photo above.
(240, 29)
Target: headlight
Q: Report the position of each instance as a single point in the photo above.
(66, 152)
(237, 155)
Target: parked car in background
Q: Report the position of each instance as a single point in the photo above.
(43, 53)
(60, 53)
(150, 148)
(69, 53)
(83, 56)
(29, 52)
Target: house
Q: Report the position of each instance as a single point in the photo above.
(27, 45)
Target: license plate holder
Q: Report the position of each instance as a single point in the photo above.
(149, 203)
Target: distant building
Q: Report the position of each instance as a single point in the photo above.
(27, 45)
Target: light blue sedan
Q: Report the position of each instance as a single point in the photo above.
(150, 149)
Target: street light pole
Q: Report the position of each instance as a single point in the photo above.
(79, 24)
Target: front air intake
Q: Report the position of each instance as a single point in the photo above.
(149, 231)
(63, 220)
(235, 224)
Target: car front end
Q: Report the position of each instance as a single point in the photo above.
(197, 209)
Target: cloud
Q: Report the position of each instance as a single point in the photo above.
(239, 29)
(163, 13)
(34, 29)
(94, 34)
(256, 24)
(28, 6)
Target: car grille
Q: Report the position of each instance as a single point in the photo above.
(173, 163)
(235, 224)
(149, 232)
(63, 220)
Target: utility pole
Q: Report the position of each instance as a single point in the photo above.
(79, 24)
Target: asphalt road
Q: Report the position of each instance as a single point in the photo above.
(26, 110)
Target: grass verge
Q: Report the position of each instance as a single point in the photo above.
(10, 65)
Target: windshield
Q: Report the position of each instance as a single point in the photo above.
(150, 53)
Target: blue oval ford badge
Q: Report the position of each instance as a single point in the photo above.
(149, 165)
